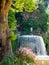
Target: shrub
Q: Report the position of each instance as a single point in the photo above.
(18, 59)
(47, 44)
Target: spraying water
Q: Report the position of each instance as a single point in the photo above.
(33, 42)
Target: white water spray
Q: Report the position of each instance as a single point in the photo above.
(34, 42)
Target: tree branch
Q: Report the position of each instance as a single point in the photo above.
(2, 4)
(8, 4)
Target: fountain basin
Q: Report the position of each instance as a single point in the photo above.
(42, 57)
(37, 45)
(42, 60)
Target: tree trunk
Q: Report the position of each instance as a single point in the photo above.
(4, 28)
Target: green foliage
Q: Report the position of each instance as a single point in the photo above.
(27, 24)
(25, 58)
(13, 35)
(17, 60)
(14, 45)
(28, 5)
(12, 25)
(12, 20)
(47, 44)
(8, 60)
(45, 3)
(38, 21)
(19, 6)
(42, 18)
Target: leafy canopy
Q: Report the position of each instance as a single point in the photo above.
(38, 19)
(28, 5)
(19, 6)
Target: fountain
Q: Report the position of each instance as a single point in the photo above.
(37, 45)
(33, 42)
